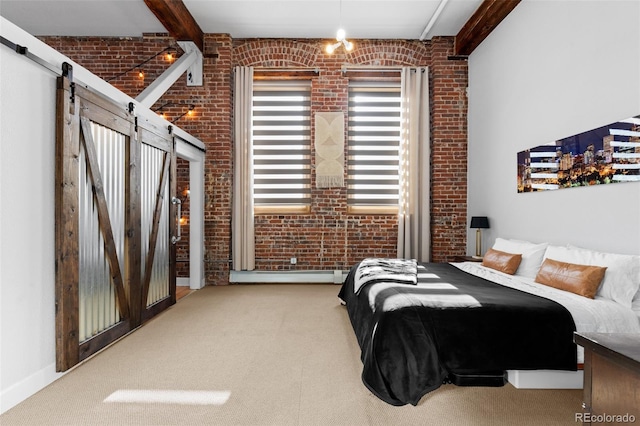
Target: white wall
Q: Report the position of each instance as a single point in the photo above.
(27, 257)
(550, 70)
(27, 242)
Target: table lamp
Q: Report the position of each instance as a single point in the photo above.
(479, 222)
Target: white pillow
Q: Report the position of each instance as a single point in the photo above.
(532, 254)
(621, 280)
(635, 304)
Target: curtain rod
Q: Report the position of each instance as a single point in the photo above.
(315, 69)
(364, 68)
(344, 69)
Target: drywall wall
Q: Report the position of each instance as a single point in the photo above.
(27, 256)
(27, 241)
(550, 70)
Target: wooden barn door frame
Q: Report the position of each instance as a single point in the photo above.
(76, 108)
(164, 141)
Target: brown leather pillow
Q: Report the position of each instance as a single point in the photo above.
(579, 279)
(502, 261)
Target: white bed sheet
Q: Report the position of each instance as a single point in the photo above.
(589, 315)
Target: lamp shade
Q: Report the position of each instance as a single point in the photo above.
(479, 222)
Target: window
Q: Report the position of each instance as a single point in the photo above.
(281, 146)
(373, 146)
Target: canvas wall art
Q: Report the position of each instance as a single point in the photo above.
(329, 146)
(606, 155)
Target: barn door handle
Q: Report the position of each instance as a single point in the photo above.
(176, 238)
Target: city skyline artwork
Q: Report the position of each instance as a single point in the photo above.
(604, 155)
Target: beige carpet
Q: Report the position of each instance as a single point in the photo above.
(284, 355)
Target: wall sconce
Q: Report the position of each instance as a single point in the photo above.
(479, 222)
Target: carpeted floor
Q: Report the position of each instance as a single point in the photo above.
(262, 355)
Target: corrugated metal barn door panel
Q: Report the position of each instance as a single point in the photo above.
(115, 182)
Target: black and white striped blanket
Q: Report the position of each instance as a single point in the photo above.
(449, 324)
(403, 271)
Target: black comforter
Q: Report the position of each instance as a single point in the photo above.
(411, 345)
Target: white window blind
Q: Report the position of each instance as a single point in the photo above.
(373, 145)
(281, 144)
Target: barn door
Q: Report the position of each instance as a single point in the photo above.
(114, 258)
(159, 220)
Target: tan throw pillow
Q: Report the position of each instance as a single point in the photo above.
(502, 261)
(579, 279)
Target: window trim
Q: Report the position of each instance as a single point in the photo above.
(372, 209)
(304, 206)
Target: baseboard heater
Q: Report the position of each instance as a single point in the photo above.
(281, 277)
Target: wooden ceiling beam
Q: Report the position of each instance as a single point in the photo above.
(484, 20)
(177, 19)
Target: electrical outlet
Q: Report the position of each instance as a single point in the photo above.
(294, 260)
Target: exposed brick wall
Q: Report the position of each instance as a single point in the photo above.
(217, 136)
(448, 152)
(327, 238)
(110, 57)
(182, 246)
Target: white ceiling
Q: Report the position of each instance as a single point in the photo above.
(392, 19)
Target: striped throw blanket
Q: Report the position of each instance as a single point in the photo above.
(370, 270)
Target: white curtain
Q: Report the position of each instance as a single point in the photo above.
(242, 226)
(414, 233)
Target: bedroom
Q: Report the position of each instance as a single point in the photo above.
(543, 70)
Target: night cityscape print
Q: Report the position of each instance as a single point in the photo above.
(606, 155)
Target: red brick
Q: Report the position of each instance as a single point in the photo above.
(328, 238)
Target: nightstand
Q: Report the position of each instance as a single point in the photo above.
(611, 374)
(467, 259)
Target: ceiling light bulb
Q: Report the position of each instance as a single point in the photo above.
(330, 48)
(348, 45)
(341, 35)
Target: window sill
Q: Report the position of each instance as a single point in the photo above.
(279, 210)
(390, 210)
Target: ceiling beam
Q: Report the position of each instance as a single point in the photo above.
(177, 19)
(484, 20)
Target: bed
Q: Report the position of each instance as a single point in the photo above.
(420, 325)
